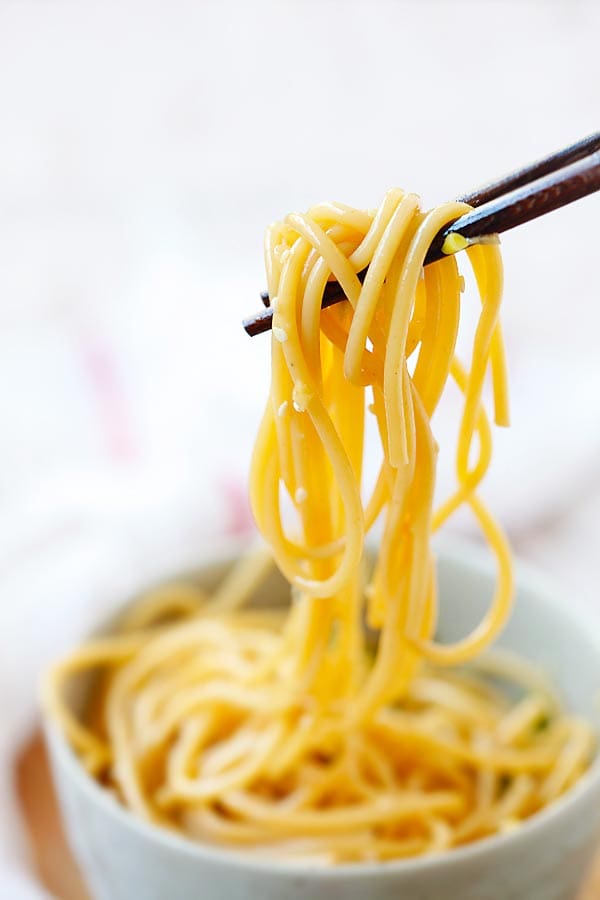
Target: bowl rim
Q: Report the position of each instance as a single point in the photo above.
(469, 556)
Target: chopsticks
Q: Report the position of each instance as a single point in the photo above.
(523, 195)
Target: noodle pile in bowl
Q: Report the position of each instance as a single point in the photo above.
(299, 733)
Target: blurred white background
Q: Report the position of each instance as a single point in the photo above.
(143, 148)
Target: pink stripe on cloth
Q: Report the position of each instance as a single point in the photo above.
(238, 517)
(102, 371)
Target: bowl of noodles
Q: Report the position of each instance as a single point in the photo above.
(324, 716)
(516, 743)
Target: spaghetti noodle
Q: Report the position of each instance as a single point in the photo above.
(301, 733)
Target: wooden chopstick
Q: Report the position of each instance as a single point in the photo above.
(536, 189)
(534, 170)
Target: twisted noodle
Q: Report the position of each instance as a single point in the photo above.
(285, 732)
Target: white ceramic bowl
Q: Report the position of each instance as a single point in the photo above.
(123, 858)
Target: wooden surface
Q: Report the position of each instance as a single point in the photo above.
(56, 868)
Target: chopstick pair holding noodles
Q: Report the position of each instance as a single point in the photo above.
(525, 194)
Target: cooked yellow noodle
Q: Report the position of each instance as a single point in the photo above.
(299, 733)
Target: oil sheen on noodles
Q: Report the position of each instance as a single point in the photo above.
(303, 733)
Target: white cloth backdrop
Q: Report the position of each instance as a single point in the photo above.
(143, 147)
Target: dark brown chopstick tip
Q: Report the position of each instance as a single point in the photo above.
(259, 323)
